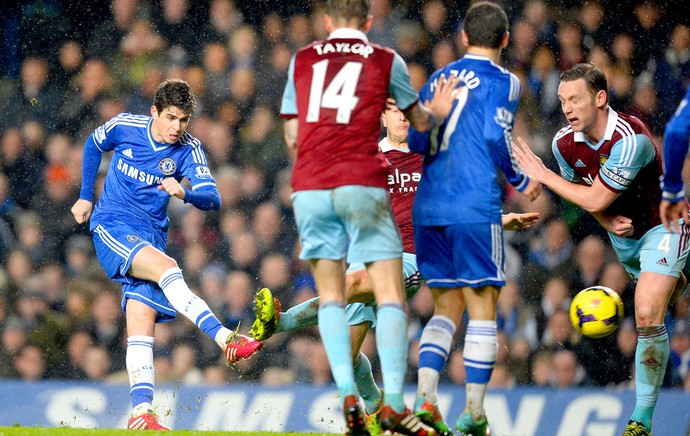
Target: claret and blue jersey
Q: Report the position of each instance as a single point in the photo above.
(139, 164)
(462, 155)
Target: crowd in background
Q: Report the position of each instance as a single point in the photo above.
(67, 67)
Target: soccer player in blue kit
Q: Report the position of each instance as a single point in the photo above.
(151, 155)
(457, 213)
(674, 204)
(611, 167)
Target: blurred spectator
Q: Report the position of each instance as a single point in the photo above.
(567, 372)
(107, 325)
(570, 49)
(13, 339)
(70, 59)
(223, 19)
(105, 38)
(541, 368)
(239, 291)
(176, 26)
(79, 342)
(96, 363)
(590, 260)
(673, 70)
(79, 110)
(184, 365)
(33, 99)
(30, 363)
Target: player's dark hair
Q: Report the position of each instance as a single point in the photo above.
(594, 78)
(177, 93)
(485, 25)
(349, 10)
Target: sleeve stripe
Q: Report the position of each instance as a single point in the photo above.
(514, 88)
(109, 127)
(629, 143)
(200, 185)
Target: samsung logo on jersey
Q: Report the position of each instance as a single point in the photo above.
(467, 78)
(344, 47)
(136, 174)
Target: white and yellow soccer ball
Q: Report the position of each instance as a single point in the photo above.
(596, 312)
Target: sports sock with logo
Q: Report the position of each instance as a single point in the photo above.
(481, 349)
(184, 301)
(139, 362)
(434, 348)
(651, 357)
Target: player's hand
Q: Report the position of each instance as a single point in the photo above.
(530, 164)
(172, 187)
(519, 221)
(442, 101)
(82, 210)
(619, 225)
(533, 190)
(671, 213)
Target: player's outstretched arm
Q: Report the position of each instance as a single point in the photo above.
(593, 199)
(82, 210)
(435, 111)
(671, 213)
(518, 221)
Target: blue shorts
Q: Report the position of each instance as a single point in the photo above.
(461, 255)
(116, 244)
(658, 251)
(352, 221)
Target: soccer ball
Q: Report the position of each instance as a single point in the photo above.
(596, 312)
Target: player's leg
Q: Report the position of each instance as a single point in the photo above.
(324, 243)
(140, 328)
(270, 320)
(480, 351)
(375, 241)
(130, 254)
(434, 349)
(657, 261)
(150, 263)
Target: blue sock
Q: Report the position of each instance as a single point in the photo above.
(651, 357)
(303, 315)
(335, 334)
(434, 348)
(370, 393)
(391, 341)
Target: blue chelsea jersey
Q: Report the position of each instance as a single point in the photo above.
(459, 180)
(139, 164)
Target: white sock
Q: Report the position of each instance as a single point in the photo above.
(139, 361)
(222, 336)
(184, 301)
(434, 348)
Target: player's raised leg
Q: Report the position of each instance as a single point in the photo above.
(151, 264)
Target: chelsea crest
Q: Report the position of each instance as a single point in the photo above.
(167, 166)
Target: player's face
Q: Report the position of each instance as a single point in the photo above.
(397, 125)
(169, 124)
(578, 105)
